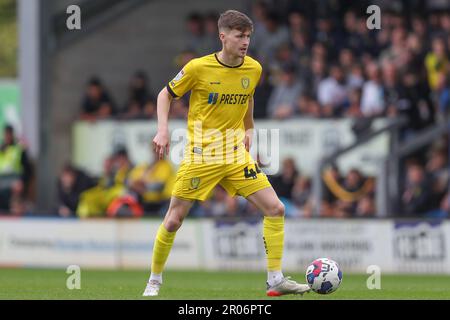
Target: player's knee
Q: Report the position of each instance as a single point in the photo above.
(173, 223)
(174, 218)
(277, 210)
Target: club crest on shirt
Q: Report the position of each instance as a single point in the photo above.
(195, 182)
(179, 75)
(245, 82)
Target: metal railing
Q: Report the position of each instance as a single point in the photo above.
(392, 128)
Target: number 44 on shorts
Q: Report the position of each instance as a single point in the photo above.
(251, 173)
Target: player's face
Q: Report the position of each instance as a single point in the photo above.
(236, 42)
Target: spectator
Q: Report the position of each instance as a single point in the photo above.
(284, 182)
(354, 108)
(274, 35)
(211, 42)
(315, 75)
(413, 101)
(352, 39)
(194, 26)
(179, 109)
(346, 60)
(396, 53)
(372, 100)
(436, 63)
(417, 191)
(391, 85)
(301, 50)
(332, 92)
(97, 104)
(303, 104)
(15, 170)
(259, 10)
(438, 170)
(95, 201)
(141, 101)
(352, 186)
(355, 77)
(302, 195)
(262, 96)
(151, 183)
(365, 207)
(326, 36)
(281, 104)
(71, 183)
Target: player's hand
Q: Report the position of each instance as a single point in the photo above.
(248, 139)
(161, 143)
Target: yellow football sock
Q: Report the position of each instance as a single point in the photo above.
(273, 233)
(161, 249)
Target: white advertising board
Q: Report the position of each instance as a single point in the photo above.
(395, 247)
(306, 140)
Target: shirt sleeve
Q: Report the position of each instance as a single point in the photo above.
(258, 79)
(184, 81)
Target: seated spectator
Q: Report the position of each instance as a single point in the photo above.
(262, 96)
(97, 104)
(346, 60)
(71, 183)
(372, 99)
(151, 184)
(302, 106)
(179, 109)
(15, 171)
(315, 74)
(141, 101)
(444, 208)
(365, 207)
(355, 77)
(438, 170)
(284, 182)
(112, 184)
(302, 196)
(397, 52)
(272, 36)
(332, 92)
(281, 104)
(349, 194)
(211, 42)
(354, 109)
(436, 63)
(194, 27)
(417, 191)
(342, 195)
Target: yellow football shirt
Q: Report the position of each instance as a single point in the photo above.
(218, 103)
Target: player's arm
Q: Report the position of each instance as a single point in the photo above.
(161, 142)
(183, 82)
(249, 125)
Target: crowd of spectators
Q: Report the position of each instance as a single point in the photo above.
(124, 189)
(425, 186)
(320, 60)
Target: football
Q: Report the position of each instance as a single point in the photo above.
(323, 276)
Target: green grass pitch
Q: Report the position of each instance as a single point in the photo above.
(106, 284)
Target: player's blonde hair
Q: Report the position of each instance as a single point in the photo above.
(233, 19)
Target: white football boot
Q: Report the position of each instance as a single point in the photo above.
(287, 286)
(152, 288)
